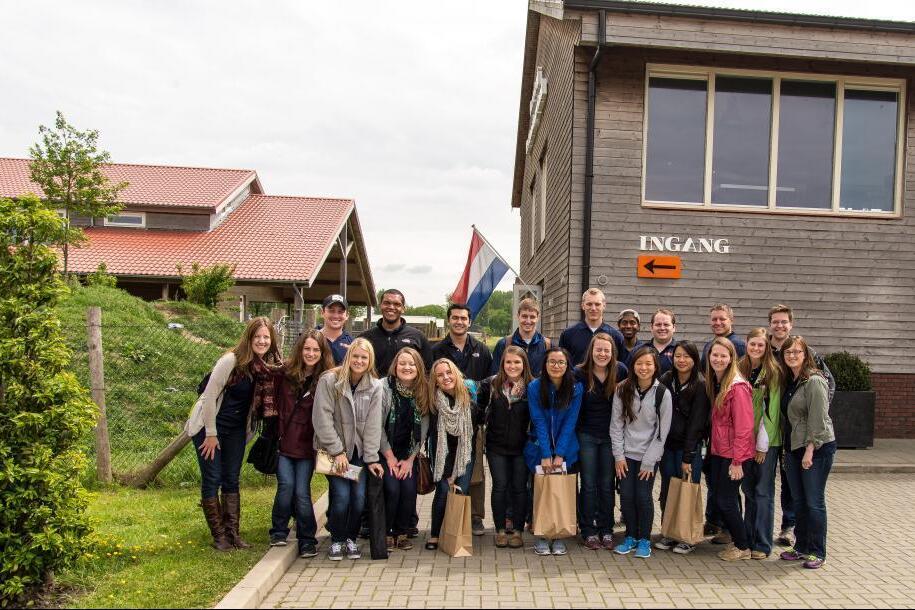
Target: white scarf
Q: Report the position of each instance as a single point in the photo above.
(457, 421)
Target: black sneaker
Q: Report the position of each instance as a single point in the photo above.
(277, 541)
(413, 532)
(307, 550)
(364, 533)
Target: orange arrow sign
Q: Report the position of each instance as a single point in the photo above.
(663, 267)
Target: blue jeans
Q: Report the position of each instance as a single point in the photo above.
(293, 497)
(597, 496)
(223, 471)
(399, 501)
(347, 499)
(636, 500)
(441, 498)
(509, 487)
(808, 487)
(787, 502)
(672, 467)
(759, 500)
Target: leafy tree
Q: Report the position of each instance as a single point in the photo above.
(204, 284)
(496, 315)
(67, 165)
(44, 409)
(101, 277)
(426, 310)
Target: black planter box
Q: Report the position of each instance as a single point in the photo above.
(853, 419)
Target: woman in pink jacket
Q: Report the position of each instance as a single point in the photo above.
(732, 440)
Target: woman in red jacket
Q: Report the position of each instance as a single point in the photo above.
(732, 440)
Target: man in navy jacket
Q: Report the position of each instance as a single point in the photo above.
(576, 338)
(526, 337)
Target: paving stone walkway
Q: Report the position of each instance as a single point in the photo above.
(871, 564)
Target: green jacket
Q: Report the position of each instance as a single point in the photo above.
(770, 434)
(808, 413)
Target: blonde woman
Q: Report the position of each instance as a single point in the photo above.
(732, 440)
(760, 368)
(453, 424)
(405, 424)
(347, 421)
(240, 391)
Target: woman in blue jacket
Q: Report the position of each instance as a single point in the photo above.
(554, 401)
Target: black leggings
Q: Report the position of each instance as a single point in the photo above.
(636, 501)
(727, 499)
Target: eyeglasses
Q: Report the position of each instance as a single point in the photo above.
(794, 352)
(556, 362)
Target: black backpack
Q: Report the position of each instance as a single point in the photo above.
(203, 383)
(658, 399)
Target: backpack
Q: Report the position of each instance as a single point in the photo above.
(203, 383)
(658, 399)
(508, 341)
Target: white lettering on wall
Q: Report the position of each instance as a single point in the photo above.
(675, 243)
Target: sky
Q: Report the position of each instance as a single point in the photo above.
(408, 107)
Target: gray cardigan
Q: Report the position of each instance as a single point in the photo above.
(338, 421)
(808, 412)
(203, 415)
(387, 403)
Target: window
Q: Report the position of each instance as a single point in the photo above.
(127, 219)
(773, 142)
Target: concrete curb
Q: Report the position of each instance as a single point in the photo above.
(260, 580)
(873, 468)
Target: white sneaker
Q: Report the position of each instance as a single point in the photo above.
(684, 549)
(335, 553)
(352, 550)
(665, 544)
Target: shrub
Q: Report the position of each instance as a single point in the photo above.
(44, 410)
(204, 284)
(852, 374)
(101, 277)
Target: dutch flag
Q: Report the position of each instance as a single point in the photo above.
(484, 270)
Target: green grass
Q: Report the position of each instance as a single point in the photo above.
(153, 550)
(151, 371)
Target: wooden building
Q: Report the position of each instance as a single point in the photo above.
(767, 152)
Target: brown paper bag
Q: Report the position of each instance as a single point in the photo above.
(683, 514)
(554, 505)
(456, 537)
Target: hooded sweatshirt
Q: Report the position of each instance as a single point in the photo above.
(643, 438)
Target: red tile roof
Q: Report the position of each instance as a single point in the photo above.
(149, 185)
(267, 238)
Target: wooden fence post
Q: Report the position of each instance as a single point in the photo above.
(97, 385)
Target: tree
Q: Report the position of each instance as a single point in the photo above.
(426, 310)
(67, 165)
(204, 284)
(496, 315)
(46, 413)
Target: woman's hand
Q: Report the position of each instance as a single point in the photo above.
(557, 463)
(406, 469)
(208, 447)
(687, 470)
(376, 469)
(807, 460)
(644, 475)
(392, 464)
(621, 469)
(760, 457)
(341, 464)
(547, 465)
(735, 471)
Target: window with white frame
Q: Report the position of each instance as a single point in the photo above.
(127, 219)
(771, 141)
(542, 195)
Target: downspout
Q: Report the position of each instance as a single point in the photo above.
(589, 152)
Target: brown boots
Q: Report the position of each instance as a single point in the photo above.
(231, 513)
(213, 515)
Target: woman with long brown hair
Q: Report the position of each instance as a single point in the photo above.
(503, 400)
(732, 440)
(240, 392)
(405, 423)
(310, 357)
(759, 367)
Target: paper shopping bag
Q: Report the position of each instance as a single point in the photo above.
(456, 537)
(554, 505)
(683, 513)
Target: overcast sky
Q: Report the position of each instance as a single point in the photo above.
(408, 107)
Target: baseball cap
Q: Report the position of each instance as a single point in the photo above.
(629, 312)
(334, 298)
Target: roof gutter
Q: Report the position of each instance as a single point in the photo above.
(589, 152)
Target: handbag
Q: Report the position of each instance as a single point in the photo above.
(324, 464)
(265, 454)
(424, 483)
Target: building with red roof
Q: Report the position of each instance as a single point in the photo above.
(294, 250)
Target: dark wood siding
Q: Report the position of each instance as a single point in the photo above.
(184, 222)
(549, 264)
(850, 281)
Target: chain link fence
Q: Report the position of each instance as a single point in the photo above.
(152, 369)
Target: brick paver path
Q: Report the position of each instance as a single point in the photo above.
(869, 566)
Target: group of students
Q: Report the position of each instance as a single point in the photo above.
(599, 403)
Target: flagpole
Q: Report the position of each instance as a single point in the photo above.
(510, 268)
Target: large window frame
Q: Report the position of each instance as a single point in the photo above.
(842, 82)
(112, 221)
